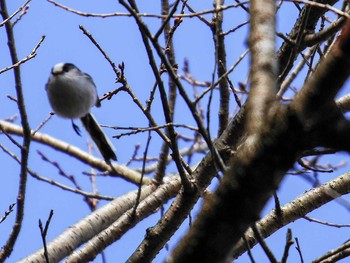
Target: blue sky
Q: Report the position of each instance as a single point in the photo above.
(120, 38)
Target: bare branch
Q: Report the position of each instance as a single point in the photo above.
(8, 247)
(20, 9)
(335, 255)
(296, 209)
(118, 170)
(30, 56)
(90, 226)
(193, 14)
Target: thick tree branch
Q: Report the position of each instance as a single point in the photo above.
(263, 67)
(315, 104)
(295, 210)
(88, 227)
(118, 170)
(218, 226)
(259, 165)
(126, 221)
(220, 57)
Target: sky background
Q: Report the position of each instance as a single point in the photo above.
(120, 38)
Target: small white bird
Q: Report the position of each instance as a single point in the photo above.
(72, 93)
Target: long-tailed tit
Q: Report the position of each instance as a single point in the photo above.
(71, 94)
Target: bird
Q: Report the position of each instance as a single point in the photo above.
(72, 93)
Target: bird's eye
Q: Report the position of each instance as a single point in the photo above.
(66, 68)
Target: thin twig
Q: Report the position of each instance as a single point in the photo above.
(167, 19)
(249, 252)
(241, 57)
(43, 232)
(54, 183)
(289, 243)
(14, 13)
(136, 130)
(43, 123)
(145, 153)
(325, 223)
(92, 39)
(299, 250)
(194, 14)
(262, 243)
(30, 56)
(7, 212)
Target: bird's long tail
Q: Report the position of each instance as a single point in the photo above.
(99, 137)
